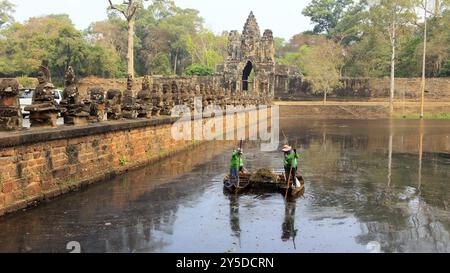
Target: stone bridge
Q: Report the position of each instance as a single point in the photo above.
(248, 77)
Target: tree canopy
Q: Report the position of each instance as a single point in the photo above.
(167, 40)
(363, 29)
(6, 12)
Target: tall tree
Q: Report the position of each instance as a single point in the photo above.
(6, 11)
(319, 59)
(128, 10)
(206, 48)
(390, 16)
(326, 14)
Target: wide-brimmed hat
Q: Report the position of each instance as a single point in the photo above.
(287, 148)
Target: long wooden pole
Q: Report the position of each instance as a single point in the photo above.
(239, 165)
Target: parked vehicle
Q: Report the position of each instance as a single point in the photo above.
(57, 95)
(26, 96)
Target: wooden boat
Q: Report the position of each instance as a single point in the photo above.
(294, 192)
(231, 184)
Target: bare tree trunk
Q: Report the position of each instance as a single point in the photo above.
(392, 91)
(437, 8)
(175, 63)
(424, 63)
(130, 52)
(324, 97)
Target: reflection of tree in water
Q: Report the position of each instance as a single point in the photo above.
(351, 172)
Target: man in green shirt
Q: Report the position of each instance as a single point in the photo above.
(290, 163)
(235, 163)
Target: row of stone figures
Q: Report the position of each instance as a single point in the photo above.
(154, 100)
(151, 101)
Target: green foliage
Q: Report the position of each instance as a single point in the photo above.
(320, 60)
(199, 70)
(122, 161)
(6, 11)
(437, 116)
(368, 58)
(326, 14)
(55, 38)
(159, 65)
(164, 30)
(26, 82)
(206, 48)
(369, 30)
(168, 39)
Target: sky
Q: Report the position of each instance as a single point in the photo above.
(282, 16)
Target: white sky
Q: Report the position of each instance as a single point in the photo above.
(282, 16)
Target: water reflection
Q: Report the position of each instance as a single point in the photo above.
(421, 135)
(288, 227)
(234, 217)
(365, 181)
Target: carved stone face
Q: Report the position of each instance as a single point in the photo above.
(41, 78)
(165, 89)
(97, 94)
(146, 83)
(70, 92)
(130, 82)
(174, 88)
(197, 89)
(69, 76)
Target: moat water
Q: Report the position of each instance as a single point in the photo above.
(370, 186)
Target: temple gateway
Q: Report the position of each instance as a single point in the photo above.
(250, 65)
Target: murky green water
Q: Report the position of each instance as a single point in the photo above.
(368, 183)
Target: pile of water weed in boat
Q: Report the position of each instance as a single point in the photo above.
(263, 176)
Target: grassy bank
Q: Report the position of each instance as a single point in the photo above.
(426, 116)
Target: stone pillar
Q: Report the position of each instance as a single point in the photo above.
(10, 112)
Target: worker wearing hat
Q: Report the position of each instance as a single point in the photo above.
(290, 163)
(236, 163)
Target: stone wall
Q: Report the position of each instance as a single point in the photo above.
(437, 89)
(37, 165)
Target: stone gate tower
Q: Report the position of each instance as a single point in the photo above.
(250, 65)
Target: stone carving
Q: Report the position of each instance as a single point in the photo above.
(43, 110)
(251, 39)
(10, 112)
(114, 104)
(267, 47)
(234, 46)
(191, 97)
(157, 100)
(97, 104)
(144, 99)
(74, 111)
(167, 100)
(129, 107)
(248, 54)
